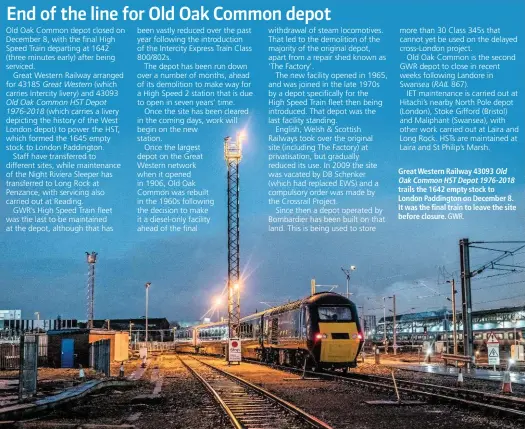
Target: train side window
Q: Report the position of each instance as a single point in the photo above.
(294, 331)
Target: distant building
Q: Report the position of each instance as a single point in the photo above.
(186, 324)
(158, 328)
(17, 327)
(9, 318)
(440, 320)
(369, 322)
(136, 324)
(12, 325)
(10, 314)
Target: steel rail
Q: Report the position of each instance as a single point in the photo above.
(312, 420)
(215, 395)
(434, 396)
(479, 395)
(443, 395)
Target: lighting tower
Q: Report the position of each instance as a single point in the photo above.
(148, 284)
(91, 260)
(233, 155)
(347, 272)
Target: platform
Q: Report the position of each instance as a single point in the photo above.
(482, 374)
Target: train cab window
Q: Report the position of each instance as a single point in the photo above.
(335, 314)
(303, 322)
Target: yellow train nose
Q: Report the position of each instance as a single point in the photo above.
(340, 342)
(337, 351)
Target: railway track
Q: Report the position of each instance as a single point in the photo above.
(473, 399)
(246, 405)
(512, 402)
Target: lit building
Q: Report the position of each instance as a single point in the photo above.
(507, 324)
(10, 314)
(369, 322)
(9, 319)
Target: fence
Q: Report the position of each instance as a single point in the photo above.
(153, 346)
(100, 356)
(10, 354)
(28, 361)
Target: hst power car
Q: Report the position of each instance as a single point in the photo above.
(322, 330)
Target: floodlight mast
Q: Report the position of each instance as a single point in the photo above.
(91, 259)
(233, 156)
(347, 272)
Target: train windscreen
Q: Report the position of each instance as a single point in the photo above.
(335, 314)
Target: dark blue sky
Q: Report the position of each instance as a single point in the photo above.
(48, 273)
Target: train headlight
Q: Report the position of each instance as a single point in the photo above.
(321, 336)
